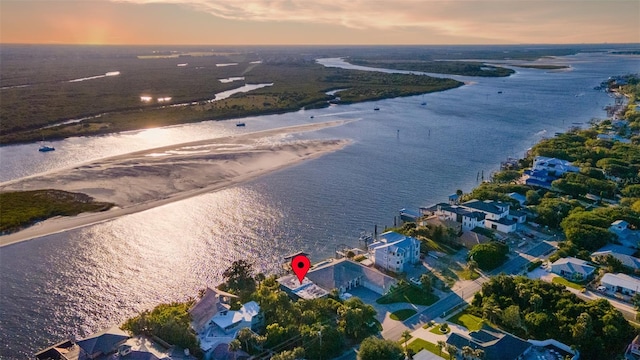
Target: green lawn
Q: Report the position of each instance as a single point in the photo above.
(402, 314)
(469, 321)
(467, 274)
(565, 282)
(419, 344)
(409, 294)
(436, 330)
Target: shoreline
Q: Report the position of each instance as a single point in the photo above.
(142, 180)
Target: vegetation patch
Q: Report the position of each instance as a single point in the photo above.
(564, 282)
(489, 255)
(419, 344)
(466, 68)
(403, 314)
(24, 208)
(170, 322)
(540, 310)
(408, 294)
(534, 265)
(440, 329)
(542, 67)
(468, 320)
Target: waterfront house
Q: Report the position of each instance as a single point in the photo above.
(342, 275)
(553, 166)
(468, 219)
(346, 274)
(306, 290)
(103, 343)
(111, 344)
(496, 214)
(573, 269)
(621, 283)
(214, 322)
(394, 252)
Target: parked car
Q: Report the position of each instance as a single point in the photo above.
(601, 289)
(415, 281)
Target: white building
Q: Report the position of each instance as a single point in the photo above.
(395, 252)
(496, 214)
(573, 269)
(621, 283)
(553, 166)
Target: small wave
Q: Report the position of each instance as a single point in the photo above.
(541, 133)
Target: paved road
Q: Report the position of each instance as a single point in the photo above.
(458, 296)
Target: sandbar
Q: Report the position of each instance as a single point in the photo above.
(145, 179)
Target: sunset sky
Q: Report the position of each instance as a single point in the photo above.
(267, 22)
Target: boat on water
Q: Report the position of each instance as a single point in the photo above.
(45, 148)
(376, 108)
(499, 92)
(424, 103)
(241, 124)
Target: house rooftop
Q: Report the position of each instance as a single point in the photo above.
(209, 305)
(621, 280)
(307, 290)
(573, 265)
(338, 273)
(104, 341)
(497, 345)
(486, 206)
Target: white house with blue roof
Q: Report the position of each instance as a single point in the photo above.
(395, 252)
(573, 269)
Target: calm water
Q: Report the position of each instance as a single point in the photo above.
(87, 279)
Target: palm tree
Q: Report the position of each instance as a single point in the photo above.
(234, 346)
(441, 345)
(467, 351)
(479, 353)
(406, 335)
(452, 350)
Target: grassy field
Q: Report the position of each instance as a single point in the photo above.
(24, 208)
(467, 274)
(403, 314)
(565, 282)
(467, 320)
(419, 344)
(409, 294)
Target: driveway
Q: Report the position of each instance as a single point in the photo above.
(383, 311)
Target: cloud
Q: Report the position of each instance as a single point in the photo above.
(493, 20)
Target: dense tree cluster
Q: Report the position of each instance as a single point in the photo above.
(373, 348)
(321, 326)
(170, 322)
(540, 310)
(490, 255)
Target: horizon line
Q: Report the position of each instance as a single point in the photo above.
(323, 45)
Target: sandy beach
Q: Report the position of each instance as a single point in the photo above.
(145, 179)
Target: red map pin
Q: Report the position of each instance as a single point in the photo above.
(300, 265)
